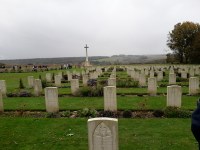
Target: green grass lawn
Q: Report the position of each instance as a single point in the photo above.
(160, 90)
(76, 103)
(140, 134)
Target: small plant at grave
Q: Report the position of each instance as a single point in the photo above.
(65, 113)
(158, 113)
(21, 85)
(86, 112)
(52, 115)
(175, 112)
(127, 114)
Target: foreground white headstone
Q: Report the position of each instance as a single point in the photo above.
(174, 94)
(1, 102)
(103, 134)
(51, 99)
(74, 86)
(193, 85)
(3, 87)
(110, 98)
(31, 81)
(152, 86)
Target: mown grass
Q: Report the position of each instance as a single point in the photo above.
(140, 134)
(76, 103)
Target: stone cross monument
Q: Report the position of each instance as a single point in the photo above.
(86, 63)
(86, 47)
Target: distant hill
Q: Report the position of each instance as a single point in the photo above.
(98, 60)
(60, 60)
(132, 59)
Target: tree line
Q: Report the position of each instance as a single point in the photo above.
(184, 42)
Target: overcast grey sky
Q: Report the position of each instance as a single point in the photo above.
(61, 28)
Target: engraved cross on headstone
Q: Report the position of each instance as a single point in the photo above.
(86, 47)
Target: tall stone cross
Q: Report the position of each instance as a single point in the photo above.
(86, 47)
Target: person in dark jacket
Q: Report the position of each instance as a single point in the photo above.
(195, 126)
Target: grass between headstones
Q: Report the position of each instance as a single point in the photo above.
(43, 133)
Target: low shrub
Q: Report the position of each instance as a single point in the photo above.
(127, 114)
(92, 82)
(175, 112)
(86, 112)
(179, 79)
(108, 113)
(103, 82)
(11, 94)
(158, 113)
(25, 94)
(65, 113)
(90, 91)
(52, 115)
(119, 69)
(127, 83)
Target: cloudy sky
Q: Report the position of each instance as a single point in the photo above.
(61, 28)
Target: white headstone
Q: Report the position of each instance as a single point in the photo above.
(1, 102)
(110, 98)
(160, 75)
(37, 87)
(85, 79)
(3, 87)
(184, 74)
(152, 86)
(74, 86)
(48, 77)
(172, 78)
(193, 85)
(31, 81)
(58, 80)
(51, 99)
(174, 94)
(69, 76)
(142, 80)
(103, 134)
